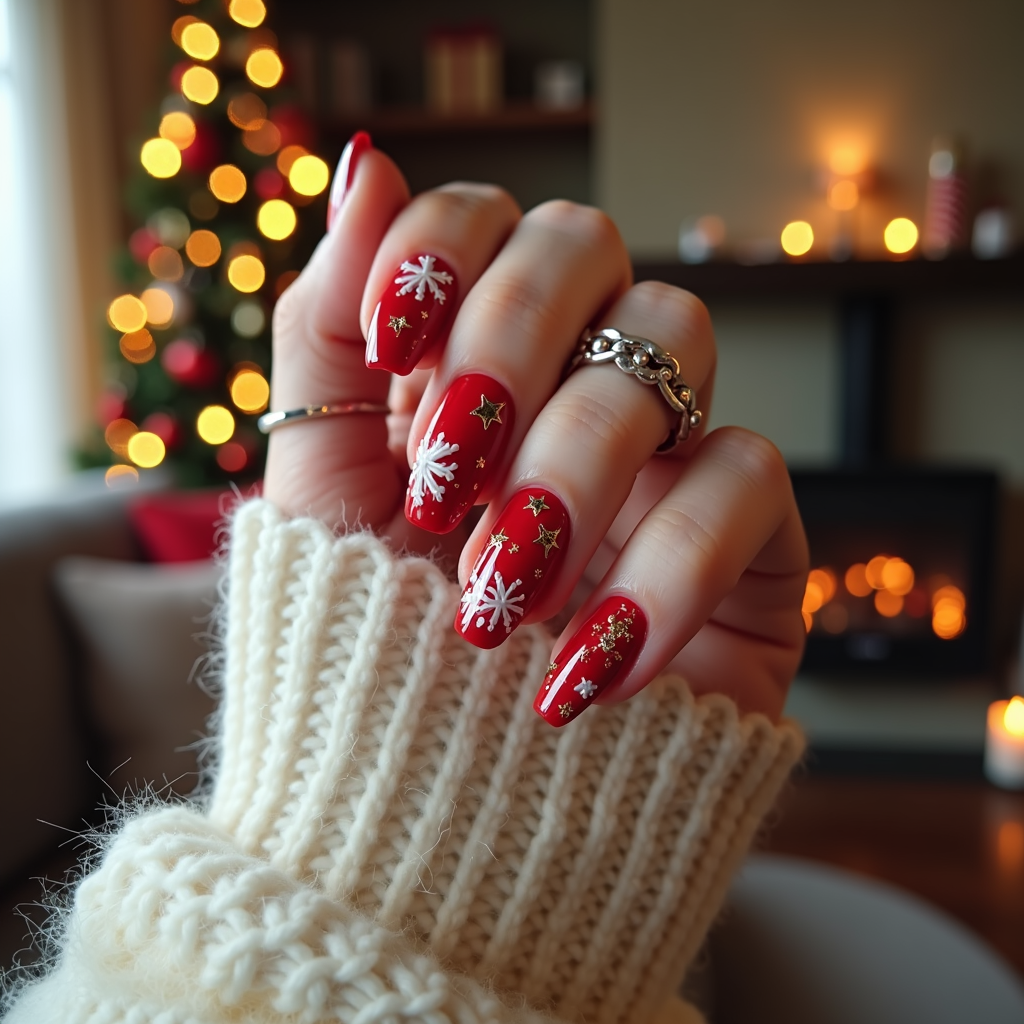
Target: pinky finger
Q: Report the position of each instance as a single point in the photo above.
(721, 558)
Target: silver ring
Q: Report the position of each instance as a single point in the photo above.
(269, 420)
(650, 364)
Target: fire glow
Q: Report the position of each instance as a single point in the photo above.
(891, 585)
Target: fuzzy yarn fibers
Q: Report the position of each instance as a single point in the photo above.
(394, 835)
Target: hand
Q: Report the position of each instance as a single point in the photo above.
(698, 557)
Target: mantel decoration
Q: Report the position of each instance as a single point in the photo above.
(229, 199)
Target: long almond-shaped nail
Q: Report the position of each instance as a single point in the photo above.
(410, 314)
(458, 453)
(346, 171)
(600, 653)
(526, 546)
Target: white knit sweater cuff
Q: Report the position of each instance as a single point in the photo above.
(370, 752)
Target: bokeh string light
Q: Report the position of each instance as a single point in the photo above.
(233, 163)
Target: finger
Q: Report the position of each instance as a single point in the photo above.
(435, 251)
(722, 556)
(506, 353)
(575, 469)
(338, 465)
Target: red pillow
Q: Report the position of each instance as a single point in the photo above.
(180, 526)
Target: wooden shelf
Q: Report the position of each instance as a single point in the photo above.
(883, 278)
(513, 117)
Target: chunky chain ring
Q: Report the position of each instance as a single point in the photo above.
(650, 364)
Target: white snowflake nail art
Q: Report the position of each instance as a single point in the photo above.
(498, 600)
(585, 688)
(423, 277)
(429, 469)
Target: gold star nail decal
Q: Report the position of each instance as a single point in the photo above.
(565, 710)
(488, 411)
(481, 462)
(536, 505)
(552, 667)
(397, 323)
(499, 538)
(547, 539)
(513, 548)
(538, 573)
(424, 314)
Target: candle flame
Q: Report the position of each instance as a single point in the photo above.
(1013, 716)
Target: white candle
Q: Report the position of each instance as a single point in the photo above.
(1004, 743)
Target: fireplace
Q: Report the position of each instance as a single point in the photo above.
(902, 563)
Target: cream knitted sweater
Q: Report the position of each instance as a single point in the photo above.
(394, 834)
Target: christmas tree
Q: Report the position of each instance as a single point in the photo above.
(230, 203)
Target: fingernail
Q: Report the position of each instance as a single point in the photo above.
(601, 652)
(526, 546)
(458, 452)
(345, 172)
(410, 314)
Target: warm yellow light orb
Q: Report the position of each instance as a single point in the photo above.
(161, 158)
(898, 577)
(215, 424)
(900, 235)
(120, 474)
(200, 85)
(797, 238)
(146, 449)
(165, 264)
(138, 346)
(127, 313)
(227, 183)
(309, 175)
(179, 128)
(249, 13)
(247, 111)
(264, 140)
(246, 273)
(179, 26)
(844, 195)
(203, 248)
(276, 219)
(200, 40)
(264, 67)
(159, 306)
(117, 435)
(1013, 716)
(288, 156)
(250, 391)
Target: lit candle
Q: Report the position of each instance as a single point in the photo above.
(1004, 743)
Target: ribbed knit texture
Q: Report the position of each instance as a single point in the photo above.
(394, 832)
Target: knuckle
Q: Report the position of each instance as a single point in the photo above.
(751, 456)
(587, 223)
(287, 319)
(593, 426)
(479, 196)
(519, 301)
(670, 528)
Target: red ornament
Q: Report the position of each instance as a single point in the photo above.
(185, 362)
(232, 457)
(166, 427)
(294, 126)
(141, 244)
(268, 183)
(111, 406)
(205, 152)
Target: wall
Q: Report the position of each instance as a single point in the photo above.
(731, 108)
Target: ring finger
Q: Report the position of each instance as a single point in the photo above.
(575, 469)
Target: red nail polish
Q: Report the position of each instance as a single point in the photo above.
(346, 170)
(458, 452)
(528, 541)
(600, 653)
(411, 313)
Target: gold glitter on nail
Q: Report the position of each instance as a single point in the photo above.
(536, 505)
(547, 539)
(397, 323)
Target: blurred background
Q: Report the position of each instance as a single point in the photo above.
(843, 185)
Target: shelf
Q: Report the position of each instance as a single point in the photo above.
(513, 117)
(883, 278)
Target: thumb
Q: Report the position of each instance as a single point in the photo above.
(338, 468)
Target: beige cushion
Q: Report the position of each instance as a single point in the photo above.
(140, 629)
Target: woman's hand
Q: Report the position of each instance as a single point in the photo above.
(694, 561)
